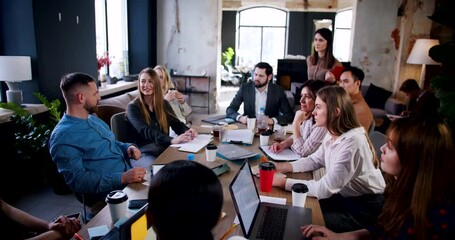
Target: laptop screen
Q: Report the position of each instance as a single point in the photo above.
(245, 196)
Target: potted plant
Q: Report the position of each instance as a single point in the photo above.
(32, 142)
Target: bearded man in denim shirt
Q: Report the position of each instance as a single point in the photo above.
(85, 150)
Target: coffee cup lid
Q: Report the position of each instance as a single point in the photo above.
(267, 166)
(211, 146)
(299, 188)
(116, 196)
(265, 133)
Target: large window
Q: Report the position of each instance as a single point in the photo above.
(261, 36)
(342, 36)
(112, 35)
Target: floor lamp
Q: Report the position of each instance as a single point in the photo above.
(419, 55)
(13, 70)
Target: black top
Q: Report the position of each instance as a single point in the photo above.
(151, 138)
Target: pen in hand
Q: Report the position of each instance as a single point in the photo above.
(229, 231)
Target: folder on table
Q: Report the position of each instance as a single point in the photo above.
(234, 152)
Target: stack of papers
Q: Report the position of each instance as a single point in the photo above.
(194, 145)
(234, 152)
(239, 136)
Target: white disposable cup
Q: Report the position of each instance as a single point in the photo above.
(264, 140)
(210, 153)
(299, 193)
(118, 202)
(251, 123)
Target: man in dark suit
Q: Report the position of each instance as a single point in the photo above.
(261, 93)
(421, 103)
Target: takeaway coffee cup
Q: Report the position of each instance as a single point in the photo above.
(266, 173)
(117, 201)
(251, 123)
(264, 138)
(210, 152)
(299, 192)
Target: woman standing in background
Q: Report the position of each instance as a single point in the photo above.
(181, 108)
(321, 62)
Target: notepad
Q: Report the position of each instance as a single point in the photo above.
(286, 155)
(242, 136)
(194, 145)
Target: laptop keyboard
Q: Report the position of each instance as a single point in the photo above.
(272, 223)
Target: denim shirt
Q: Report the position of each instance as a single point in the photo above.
(88, 155)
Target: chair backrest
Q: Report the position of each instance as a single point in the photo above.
(378, 139)
(105, 112)
(121, 127)
(372, 126)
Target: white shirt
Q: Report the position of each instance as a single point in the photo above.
(349, 167)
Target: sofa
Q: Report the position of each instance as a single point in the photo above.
(381, 102)
(110, 106)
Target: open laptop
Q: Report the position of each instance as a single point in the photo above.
(260, 220)
(134, 228)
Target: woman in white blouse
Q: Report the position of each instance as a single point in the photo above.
(350, 193)
(181, 108)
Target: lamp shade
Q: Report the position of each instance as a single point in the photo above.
(419, 53)
(15, 68)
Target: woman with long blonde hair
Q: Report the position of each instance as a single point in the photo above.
(177, 100)
(152, 117)
(350, 192)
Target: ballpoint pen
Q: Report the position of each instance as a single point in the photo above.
(77, 236)
(229, 231)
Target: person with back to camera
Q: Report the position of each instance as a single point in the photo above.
(185, 200)
(176, 99)
(321, 62)
(419, 197)
(261, 92)
(85, 150)
(350, 193)
(307, 136)
(152, 116)
(17, 224)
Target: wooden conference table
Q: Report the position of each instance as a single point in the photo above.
(139, 190)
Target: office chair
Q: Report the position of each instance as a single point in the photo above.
(121, 128)
(378, 139)
(372, 126)
(124, 132)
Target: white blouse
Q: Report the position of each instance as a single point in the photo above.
(349, 167)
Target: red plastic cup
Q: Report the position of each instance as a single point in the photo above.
(266, 173)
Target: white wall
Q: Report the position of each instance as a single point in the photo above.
(188, 40)
(373, 48)
(383, 40)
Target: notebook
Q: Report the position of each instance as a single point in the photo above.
(260, 220)
(239, 136)
(286, 155)
(134, 228)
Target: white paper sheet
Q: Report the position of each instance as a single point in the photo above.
(195, 145)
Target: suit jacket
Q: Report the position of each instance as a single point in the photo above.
(277, 104)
